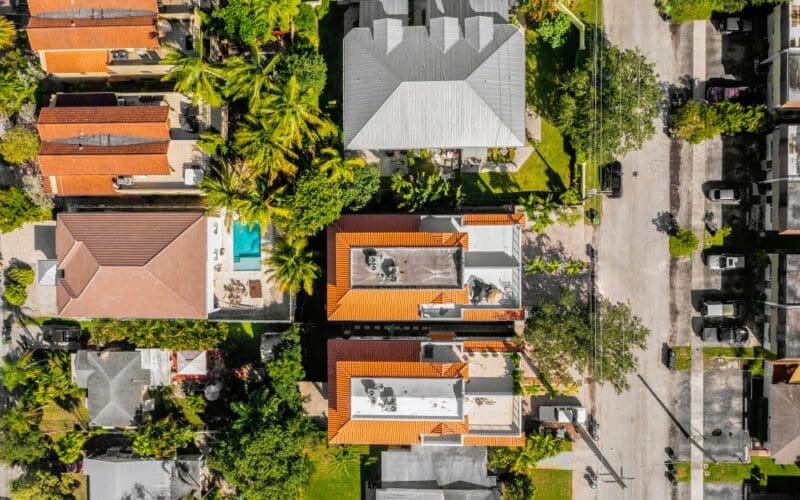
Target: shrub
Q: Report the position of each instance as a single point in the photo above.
(554, 30)
(696, 121)
(15, 294)
(683, 243)
(16, 208)
(22, 275)
(19, 145)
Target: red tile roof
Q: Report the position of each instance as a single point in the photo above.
(397, 304)
(134, 121)
(80, 34)
(131, 265)
(58, 159)
(76, 61)
(84, 185)
(38, 6)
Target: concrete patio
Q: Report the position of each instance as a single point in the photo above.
(28, 245)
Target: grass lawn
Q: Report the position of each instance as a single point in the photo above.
(56, 421)
(590, 12)
(683, 471)
(552, 484)
(243, 343)
(330, 481)
(546, 169)
(709, 353)
(737, 473)
(718, 239)
(683, 358)
(682, 11)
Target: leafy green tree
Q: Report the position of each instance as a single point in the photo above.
(15, 294)
(358, 194)
(608, 109)
(251, 22)
(40, 484)
(175, 335)
(8, 34)
(305, 23)
(554, 30)
(697, 121)
(19, 145)
(53, 383)
(161, 438)
(683, 243)
(560, 338)
(535, 11)
(19, 81)
(425, 188)
(291, 265)
(250, 78)
(523, 459)
(69, 448)
(25, 447)
(194, 76)
(517, 487)
(23, 275)
(17, 209)
(308, 67)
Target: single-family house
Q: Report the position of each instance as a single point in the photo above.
(121, 475)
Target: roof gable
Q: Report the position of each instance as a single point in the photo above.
(80, 33)
(38, 6)
(81, 121)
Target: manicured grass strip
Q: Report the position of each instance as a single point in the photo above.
(709, 353)
(761, 467)
(683, 358)
(332, 480)
(56, 421)
(683, 471)
(585, 9)
(552, 484)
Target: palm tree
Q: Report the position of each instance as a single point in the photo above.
(8, 34)
(331, 161)
(522, 459)
(292, 266)
(536, 265)
(194, 76)
(250, 79)
(573, 266)
(212, 143)
(225, 186)
(261, 204)
(19, 372)
(292, 112)
(263, 149)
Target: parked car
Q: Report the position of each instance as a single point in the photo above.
(733, 24)
(62, 336)
(725, 195)
(721, 93)
(611, 179)
(562, 414)
(729, 334)
(725, 262)
(717, 309)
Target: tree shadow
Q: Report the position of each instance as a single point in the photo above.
(546, 287)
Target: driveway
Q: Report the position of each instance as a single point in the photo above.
(636, 427)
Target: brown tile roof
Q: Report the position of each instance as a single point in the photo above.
(38, 6)
(475, 440)
(386, 358)
(56, 158)
(134, 121)
(76, 61)
(108, 33)
(370, 304)
(493, 219)
(84, 185)
(131, 265)
(490, 346)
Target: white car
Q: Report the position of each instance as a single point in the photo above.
(562, 414)
(725, 262)
(716, 309)
(726, 195)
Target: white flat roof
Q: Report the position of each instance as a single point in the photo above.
(407, 398)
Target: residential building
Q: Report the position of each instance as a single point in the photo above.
(783, 56)
(425, 268)
(110, 38)
(782, 392)
(106, 144)
(119, 474)
(781, 318)
(426, 472)
(175, 264)
(455, 79)
(117, 382)
(445, 392)
(776, 200)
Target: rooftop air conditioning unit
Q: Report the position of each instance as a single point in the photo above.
(192, 176)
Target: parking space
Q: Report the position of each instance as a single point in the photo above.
(724, 423)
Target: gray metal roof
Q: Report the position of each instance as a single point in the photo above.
(454, 468)
(135, 478)
(460, 82)
(370, 10)
(115, 382)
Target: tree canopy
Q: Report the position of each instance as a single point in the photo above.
(697, 121)
(19, 145)
(607, 109)
(17, 209)
(251, 22)
(560, 339)
(174, 334)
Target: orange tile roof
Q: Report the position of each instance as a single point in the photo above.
(84, 185)
(490, 346)
(76, 121)
(474, 440)
(131, 159)
(76, 61)
(397, 304)
(387, 358)
(493, 219)
(38, 6)
(107, 33)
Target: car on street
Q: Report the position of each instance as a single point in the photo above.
(734, 24)
(721, 309)
(725, 262)
(725, 195)
(727, 334)
(719, 93)
(611, 179)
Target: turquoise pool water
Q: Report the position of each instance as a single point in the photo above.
(246, 247)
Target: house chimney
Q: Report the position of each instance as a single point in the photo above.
(388, 33)
(444, 32)
(479, 31)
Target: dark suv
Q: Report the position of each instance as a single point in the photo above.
(62, 336)
(611, 179)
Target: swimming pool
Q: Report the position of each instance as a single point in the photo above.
(246, 247)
